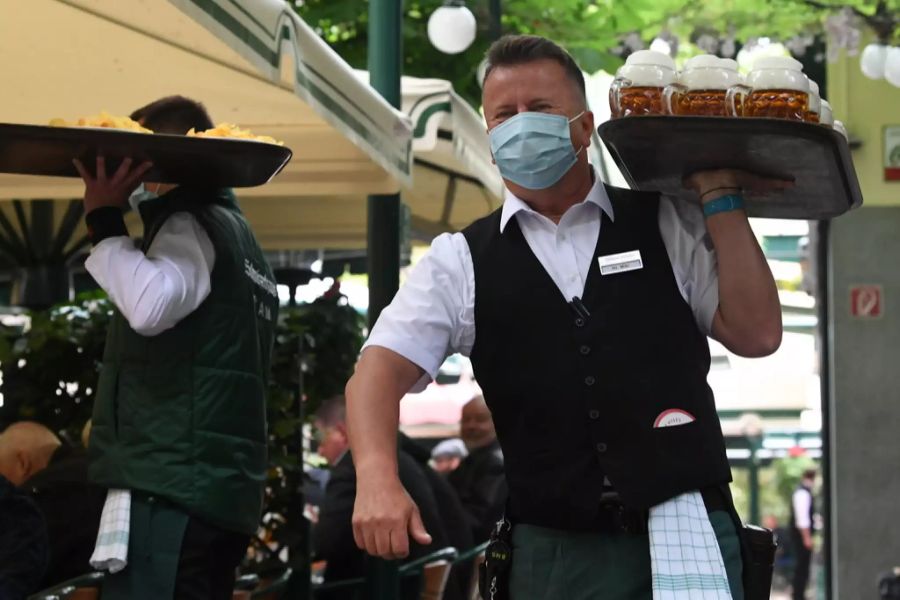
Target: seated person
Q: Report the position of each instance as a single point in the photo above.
(332, 538)
(453, 516)
(25, 448)
(71, 506)
(479, 479)
(447, 455)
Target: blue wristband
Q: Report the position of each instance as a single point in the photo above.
(721, 204)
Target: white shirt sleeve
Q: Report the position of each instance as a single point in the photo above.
(802, 501)
(433, 313)
(157, 290)
(693, 258)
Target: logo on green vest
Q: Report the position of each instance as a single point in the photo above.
(259, 279)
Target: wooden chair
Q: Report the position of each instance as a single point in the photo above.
(432, 570)
(474, 592)
(434, 579)
(84, 587)
(476, 555)
(274, 589)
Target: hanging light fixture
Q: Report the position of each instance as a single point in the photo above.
(872, 61)
(892, 66)
(452, 27)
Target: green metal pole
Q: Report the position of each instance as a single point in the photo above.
(385, 67)
(496, 27)
(753, 476)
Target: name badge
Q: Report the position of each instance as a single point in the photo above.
(620, 263)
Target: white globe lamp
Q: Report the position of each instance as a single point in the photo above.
(452, 28)
(871, 63)
(892, 66)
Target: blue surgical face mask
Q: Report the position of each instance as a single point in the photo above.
(534, 150)
(140, 194)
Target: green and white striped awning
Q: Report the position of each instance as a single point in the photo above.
(252, 62)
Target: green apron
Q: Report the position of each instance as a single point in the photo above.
(154, 547)
(549, 564)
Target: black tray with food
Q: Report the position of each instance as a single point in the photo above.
(185, 160)
(656, 153)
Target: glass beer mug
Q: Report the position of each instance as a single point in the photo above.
(776, 88)
(640, 85)
(814, 114)
(826, 117)
(703, 86)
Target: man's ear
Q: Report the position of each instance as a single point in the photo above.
(587, 123)
(23, 464)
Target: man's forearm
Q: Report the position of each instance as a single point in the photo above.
(749, 318)
(374, 392)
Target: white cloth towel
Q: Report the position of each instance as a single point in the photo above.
(685, 558)
(111, 550)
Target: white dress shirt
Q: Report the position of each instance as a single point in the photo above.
(802, 501)
(155, 291)
(433, 313)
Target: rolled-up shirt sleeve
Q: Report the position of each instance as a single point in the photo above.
(693, 258)
(432, 315)
(154, 291)
(802, 502)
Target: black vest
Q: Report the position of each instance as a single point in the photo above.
(812, 508)
(575, 399)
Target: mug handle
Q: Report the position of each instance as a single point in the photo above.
(731, 96)
(668, 92)
(615, 89)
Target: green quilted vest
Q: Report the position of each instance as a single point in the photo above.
(182, 414)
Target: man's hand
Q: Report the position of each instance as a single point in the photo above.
(102, 191)
(710, 185)
(807, 538)
(384, 517)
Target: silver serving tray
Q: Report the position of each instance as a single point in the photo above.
(655, 153)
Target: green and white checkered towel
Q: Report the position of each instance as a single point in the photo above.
(111, 550)
(684, 554)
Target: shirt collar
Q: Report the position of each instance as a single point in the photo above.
(512, 204)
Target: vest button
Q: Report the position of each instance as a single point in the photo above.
(601, 447)
(585, 350)
(579, 322)
(594, 414)
(589, 380)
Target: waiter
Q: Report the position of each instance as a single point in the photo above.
(179, 427)
(585, 310)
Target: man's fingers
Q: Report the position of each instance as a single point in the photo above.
(371, 545)
(137, 174)
(121, 173)
(399, 543)
(101, 169)
(82, 171)
(383, 543)
(359, 537)
(417, 529)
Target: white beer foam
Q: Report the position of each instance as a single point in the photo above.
(815, 100)
(709, 79)
(778, 79)
(647, 75)
(826, 117)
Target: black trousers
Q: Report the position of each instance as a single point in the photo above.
(801, 568)
(209, 558)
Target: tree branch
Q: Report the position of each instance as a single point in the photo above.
(834, 7)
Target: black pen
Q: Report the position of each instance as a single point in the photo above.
(580, 308)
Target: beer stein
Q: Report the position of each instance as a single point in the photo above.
(814, 114)
(841, 129)
(703, 87)
(640, 84)
(826, 117)
(776, 88)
